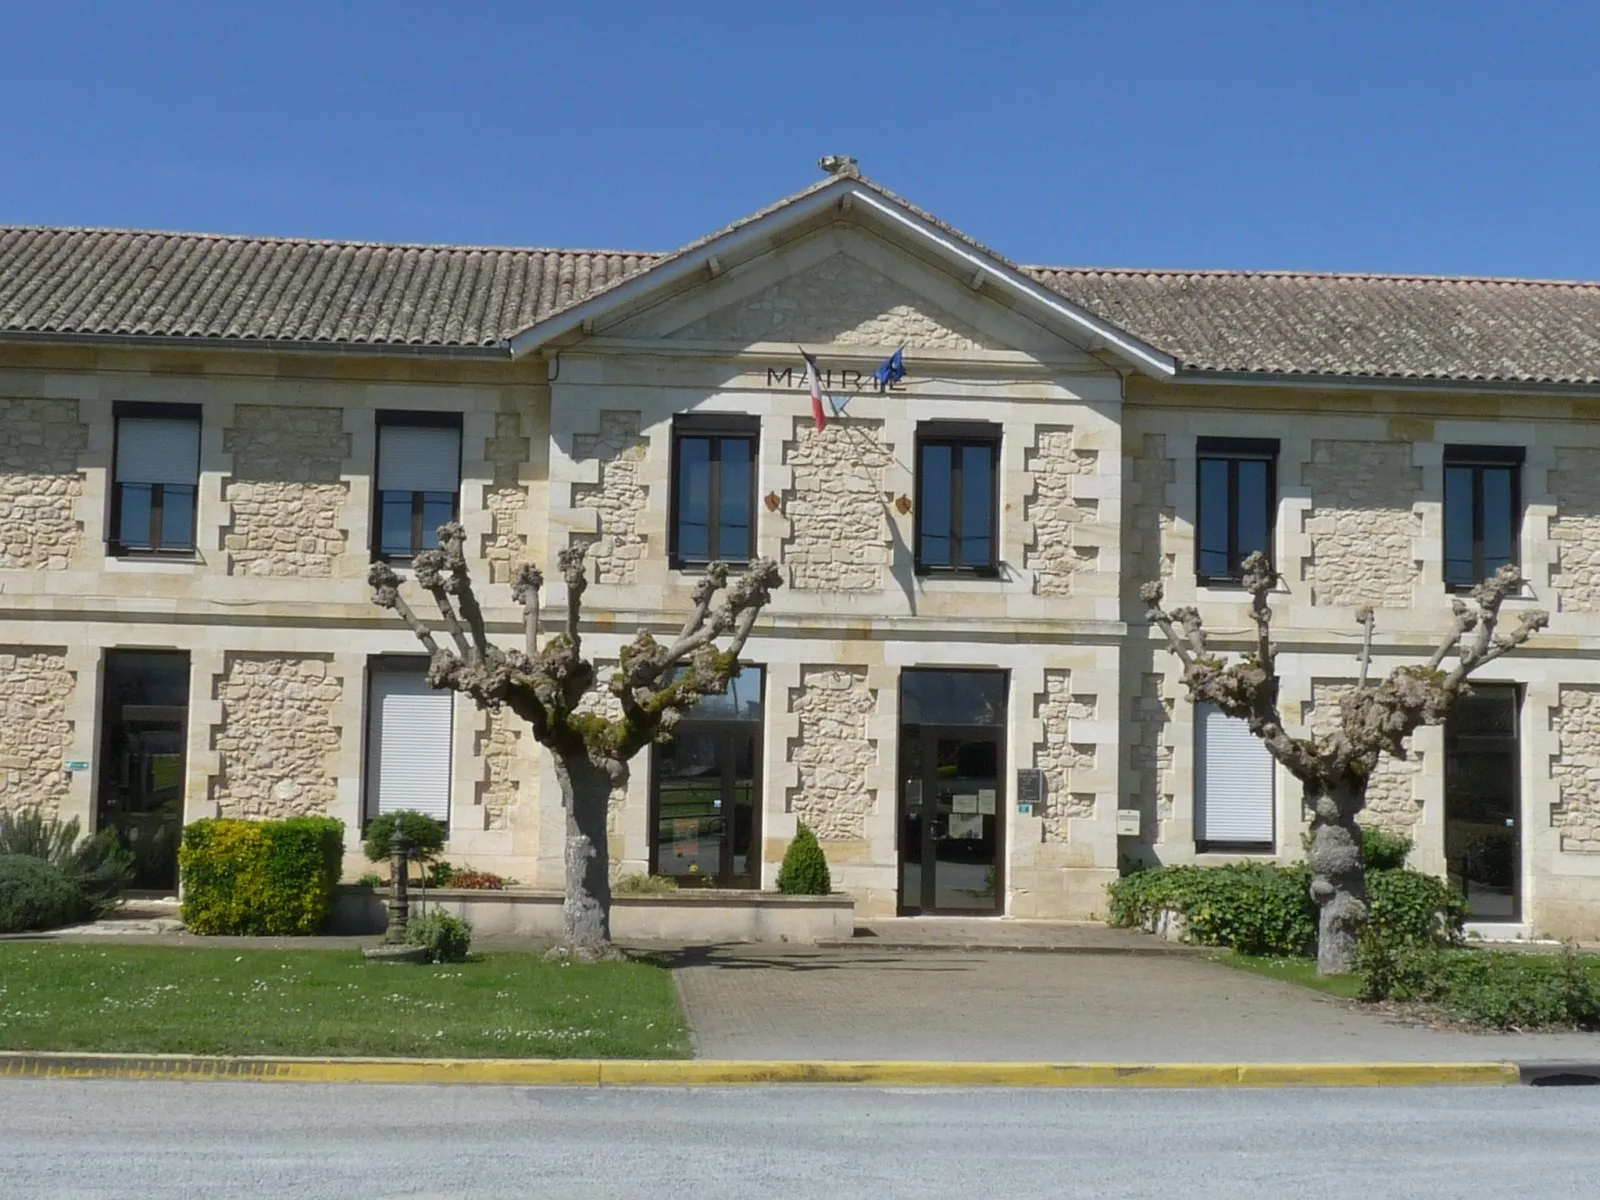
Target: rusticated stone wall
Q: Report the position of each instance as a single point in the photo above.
(1054, 512)
(506, 498)
(839, 300)
(39, 483)
(619, 497)
(1361, 523)
(1392, 800)
(1150, 745)
(1058, 756)
(35, 734)
(1576, 770)
(277, 739)
(833, 753)
(1147, 540)
(285, 493)
(838, 519)
(1575, 529)
(499, 749)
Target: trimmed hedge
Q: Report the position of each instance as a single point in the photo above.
(260, 877)
(805, 868)
(1265, 909)
(1500, 989)
(426, 835)
(34, 895)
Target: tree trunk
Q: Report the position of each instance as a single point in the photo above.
(586, 913)
(1338, 876)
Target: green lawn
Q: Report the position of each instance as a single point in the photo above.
(161, 999)
(1302, 971)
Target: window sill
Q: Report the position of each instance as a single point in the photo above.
(1256, 849)
(134, 561)
(699, 568)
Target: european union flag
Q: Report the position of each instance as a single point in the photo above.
(892, 371)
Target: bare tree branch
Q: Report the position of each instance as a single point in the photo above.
(429, 568)
(385, 586)
(1366, 618)
(525, 586)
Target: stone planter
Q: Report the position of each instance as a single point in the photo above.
(1170, 924)
(701, 915)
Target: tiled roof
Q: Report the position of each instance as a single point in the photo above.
(273, 290)
(1385, 326)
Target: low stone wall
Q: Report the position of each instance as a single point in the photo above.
(699, 916)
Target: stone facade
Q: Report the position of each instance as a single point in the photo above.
(1147, 540)
(1058, 756)
(506, 497)
(285, 493)
(840, 300)
(1054, 513)
(39, 483)
(837, 508)
(1575, 529)
(499, 748)
(277, 739)
(1392, 800)
(1361, 524)
(1150, 748)
(1576, 769)
(833, 754)
(618, 499)
(35, 734)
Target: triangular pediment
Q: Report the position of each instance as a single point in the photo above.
(843, 301)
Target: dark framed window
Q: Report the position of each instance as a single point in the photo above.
(419, 481)
(1236, 505)
(1482, 512)
(155, 479)
(1483, 802)
(713, 489)
(957, 502)
(705, 790)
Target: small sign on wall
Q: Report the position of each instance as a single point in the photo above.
(1031, 792)
(75, 764)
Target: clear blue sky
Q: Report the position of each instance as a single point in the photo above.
(1457, 138)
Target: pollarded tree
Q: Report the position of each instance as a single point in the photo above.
(547, 685)
(1374, 719)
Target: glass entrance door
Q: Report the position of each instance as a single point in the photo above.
(144, 724)
(952, 792)
(705, 808)
(1482, 841)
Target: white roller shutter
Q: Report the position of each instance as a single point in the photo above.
(418, 458)
(408, 738)
(151, 450)
(1233, 781)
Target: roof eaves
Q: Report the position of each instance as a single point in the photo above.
(498, 350)
(1413, 382)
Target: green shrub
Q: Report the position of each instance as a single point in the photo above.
(369, 880)
(447, 938)
(101, 867)
(1254, 908)
(1384, 851)
(35, 895)
(424, 832)
(637, 883)
(1495, 988)
(440, 874)
(1409, 908)
(805, 868)
(260, 877)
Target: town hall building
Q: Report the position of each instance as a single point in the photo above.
(205, 441)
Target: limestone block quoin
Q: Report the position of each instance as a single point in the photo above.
(499, 748)
(833, 754)
(619, 498)
(1576, 769)
(1058, 756)
(277, 741)
(285, 493)
(1147, 542)
(39, 483)
(35, 735)
(1150, 745)
(1055, 514)
(506, 497)
(1361, 523)
(1575, 529)
(837, 508)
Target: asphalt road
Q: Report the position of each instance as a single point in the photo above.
(171, 1140)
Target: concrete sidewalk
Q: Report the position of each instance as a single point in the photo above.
(780, 1003)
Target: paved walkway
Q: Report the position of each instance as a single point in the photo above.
(773, 1002)
(989, 934)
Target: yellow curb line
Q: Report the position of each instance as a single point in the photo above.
(703, 1072)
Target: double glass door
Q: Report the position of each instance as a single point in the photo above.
(706, 806)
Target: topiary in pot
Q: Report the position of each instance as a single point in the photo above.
(425, 834)
(805, 867)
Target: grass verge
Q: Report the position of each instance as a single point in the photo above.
(161, 999)
(1301, 971)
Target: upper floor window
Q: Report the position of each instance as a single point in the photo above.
(1482, 511)
(1236, 503)
(154, 479)
(713, 488)
(957, 501)
(419, 480)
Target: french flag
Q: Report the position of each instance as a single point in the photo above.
(814, 386)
